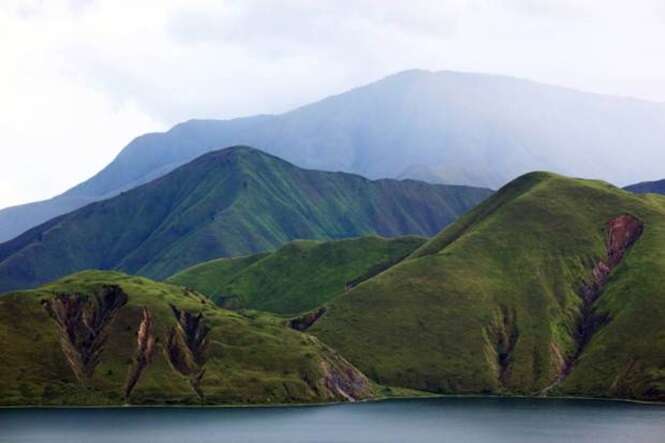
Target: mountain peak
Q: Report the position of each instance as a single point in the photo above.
(468, 128)
(232, 201)
(551, 286)
(525, 188)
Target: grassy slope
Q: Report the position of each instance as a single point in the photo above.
(299, 276)
(211, 276)
(235, 201)
(253, 358)
(515, 265)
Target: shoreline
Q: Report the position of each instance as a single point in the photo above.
(425, 396)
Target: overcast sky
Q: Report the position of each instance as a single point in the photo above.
(79, 79)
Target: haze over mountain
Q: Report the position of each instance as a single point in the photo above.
(448, 127)
(229, 202)
(656, 187)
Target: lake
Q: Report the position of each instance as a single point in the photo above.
(466, 420)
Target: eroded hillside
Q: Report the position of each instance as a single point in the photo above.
(107, 338)
(552, 286)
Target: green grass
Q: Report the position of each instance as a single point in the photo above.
(253, 358)
(236, 201)
(298, 277)
(512, 267)
(210, 277)
(515, 263)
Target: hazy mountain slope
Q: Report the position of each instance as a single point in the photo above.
(297, 277)
(244, 359)
(450, 127)
(553, 285)
(230, 202)
(656, 187)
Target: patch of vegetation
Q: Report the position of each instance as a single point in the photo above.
(299, 276)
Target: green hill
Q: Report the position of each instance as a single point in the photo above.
(235, 201)
(299, 276)
(93, 337)
(553, 286)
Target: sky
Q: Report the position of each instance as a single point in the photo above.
(79, 79)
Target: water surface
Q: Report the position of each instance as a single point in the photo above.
(468, 420)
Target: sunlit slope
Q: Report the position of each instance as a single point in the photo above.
(552, 286)
(231, 358)
(299, 276)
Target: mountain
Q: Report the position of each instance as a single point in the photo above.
(235, 201)
(297, 277)
(106, 338)
(553, 286)
(446, 127)
(655, 187)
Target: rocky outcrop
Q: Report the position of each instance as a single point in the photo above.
(503, 335)
(186, 347)
(622, 232)
(306, 321)
(83, 324)
(334, 378)
(145, 347)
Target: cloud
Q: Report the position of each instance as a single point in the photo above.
(81, 78)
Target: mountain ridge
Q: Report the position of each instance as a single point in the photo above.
(233, 201)
(552, 286)
(468, 128)
(656, 187)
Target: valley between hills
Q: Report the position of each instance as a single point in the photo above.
(242, 279)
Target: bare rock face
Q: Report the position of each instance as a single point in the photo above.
(343, 381)
(502, 336)
(83, 324)
(186, 347)
(335, 379)
(622, 233)
(305, 321)
(145, 347)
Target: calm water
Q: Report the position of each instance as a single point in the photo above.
(422, 421)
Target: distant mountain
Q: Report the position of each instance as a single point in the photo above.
(297, 277)
(552, 286)
(230, 202)
(445, 127)
(655, 187)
